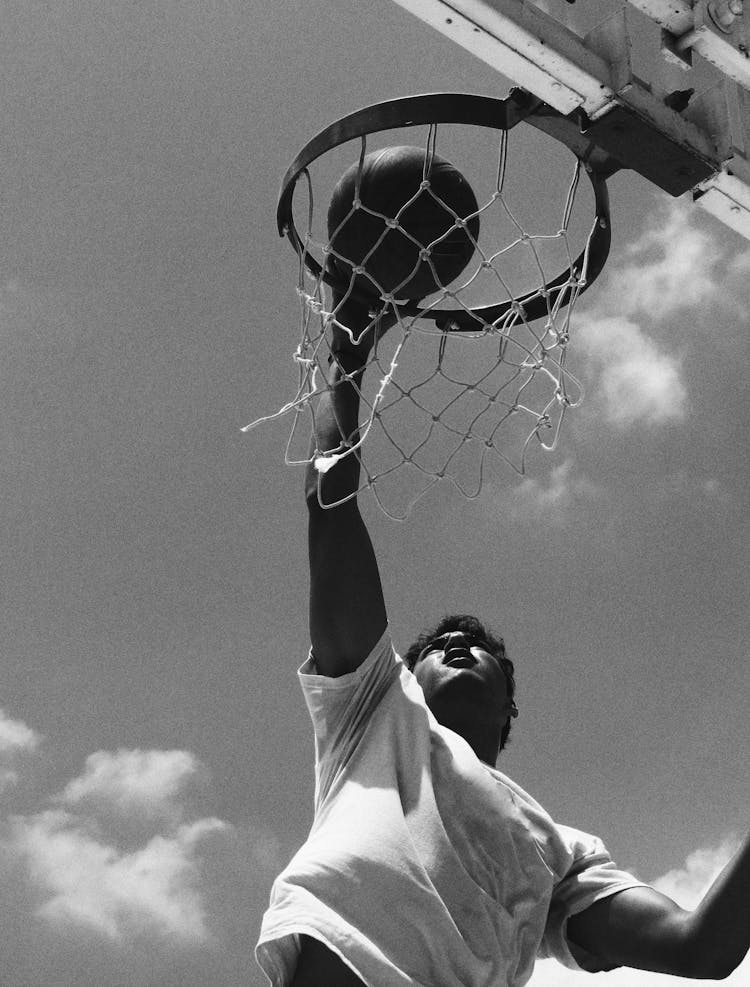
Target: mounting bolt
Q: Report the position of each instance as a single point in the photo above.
(724, 13)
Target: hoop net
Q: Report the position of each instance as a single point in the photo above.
(437, 404)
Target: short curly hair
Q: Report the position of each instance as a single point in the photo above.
(467, 624)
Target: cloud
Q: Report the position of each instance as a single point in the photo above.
(147, 784)
(86, 882)
(16, 739)
(686, 885)
(676, 264)
(671, 267)
(677, 279)
(686, 485)
(638, 382)
(551, 500)
(15, 735)
(119, 871)
(81, 859)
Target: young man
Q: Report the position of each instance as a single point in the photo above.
(425, 865)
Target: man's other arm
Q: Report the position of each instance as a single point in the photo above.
(347, 610)
(642, 928)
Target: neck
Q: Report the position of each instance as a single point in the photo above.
(483, 738)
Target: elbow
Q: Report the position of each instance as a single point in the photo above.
(721, 968)
(709, 965)
(707, 951)
(716, 954)
(719, 971)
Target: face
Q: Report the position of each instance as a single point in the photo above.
(459, 668)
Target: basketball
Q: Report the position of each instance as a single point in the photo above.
(391, 178)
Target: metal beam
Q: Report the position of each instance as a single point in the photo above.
(530, 47)
(675, 16)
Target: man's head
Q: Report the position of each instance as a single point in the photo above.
(467, 679)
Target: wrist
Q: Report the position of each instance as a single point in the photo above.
(351, 361)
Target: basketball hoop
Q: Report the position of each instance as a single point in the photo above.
(478, 111)
(457, 408)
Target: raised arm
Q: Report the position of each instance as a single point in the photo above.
(347, 611)
(644, 929)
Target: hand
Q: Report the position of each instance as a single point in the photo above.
(367, 323)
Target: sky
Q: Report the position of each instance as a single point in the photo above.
(155, 753)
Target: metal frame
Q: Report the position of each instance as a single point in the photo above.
(479, 111)
(594, 74)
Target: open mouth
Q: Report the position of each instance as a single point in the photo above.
(461, 661)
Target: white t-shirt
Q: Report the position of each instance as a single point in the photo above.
(423, 866)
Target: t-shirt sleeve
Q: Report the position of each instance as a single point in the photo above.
(340, 708)
(591, 876)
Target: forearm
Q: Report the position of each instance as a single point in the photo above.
(347, 611)
(335, 428)
(643, 928)
(719, 928)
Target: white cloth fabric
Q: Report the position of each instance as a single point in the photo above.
(423, 866)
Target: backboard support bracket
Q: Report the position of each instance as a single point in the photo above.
(625, 137)
(678, 140)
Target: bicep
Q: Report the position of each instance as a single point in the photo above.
(347, 610)
(638, 927)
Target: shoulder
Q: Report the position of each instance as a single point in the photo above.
(382, 656)
(339, 706)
